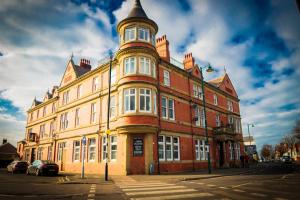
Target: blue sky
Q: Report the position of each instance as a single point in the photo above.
(256, 40)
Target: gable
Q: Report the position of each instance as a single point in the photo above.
(227, 86)
(196, 72)
(69, 75)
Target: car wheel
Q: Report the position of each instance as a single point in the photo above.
(37, 172)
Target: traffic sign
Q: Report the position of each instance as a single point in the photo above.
(84, 140)
(107, 132)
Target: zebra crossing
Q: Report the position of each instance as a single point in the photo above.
(156, 190)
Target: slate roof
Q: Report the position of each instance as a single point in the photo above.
(7, 151)
(137, 11)
(80, 70)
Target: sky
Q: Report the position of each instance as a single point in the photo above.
(256, 41)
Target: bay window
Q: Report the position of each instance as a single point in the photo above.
(129, 65)
(145, 100)
(129, 34)
(144, 66)
(237, 150)
(113, 75)
(153, 70)
(129, 100)
(144, 34)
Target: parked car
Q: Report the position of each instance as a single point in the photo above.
(287, 159)
(17, 166)
(42, 167)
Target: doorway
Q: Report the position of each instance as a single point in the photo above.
(221, 154)
(32, 158)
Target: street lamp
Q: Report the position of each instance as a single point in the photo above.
(108, 114)
(248, 125)
(208, 69)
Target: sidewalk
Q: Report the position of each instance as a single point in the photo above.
(69, 178)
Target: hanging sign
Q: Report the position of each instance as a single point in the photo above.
(138, 146)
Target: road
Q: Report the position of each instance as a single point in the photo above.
(275, 181)
(272, 181)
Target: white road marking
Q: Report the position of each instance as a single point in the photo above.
(237, 190)
(160, 192)
(211, 185)
(279, 198)
(178, 196)
(143, 185)
(226, 188)
(153, 188)
(200, 183)
(240, 185)
(258, 194)
(91, 195)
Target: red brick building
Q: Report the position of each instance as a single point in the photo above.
(156, 112)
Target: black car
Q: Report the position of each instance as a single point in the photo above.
(17, 166)
(287, 159)
(42, 167)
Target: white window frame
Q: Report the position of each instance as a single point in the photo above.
(197, 90)
(143, 34)
(42, 131)
(127, 99)
(172, 108)
(230, 105)
(76, 150)
(65, 98)
(153, 68)
(49, 154)
(237, 150)
(79, 91)
(90, 152)
(93, 113)
(162, 143)
(130, 34)
(113, 143)
(215, 99)
(164, 107)
(51, 129)
(218, 120)
(44, 111)
(231, 150)
(166, 78)
(197, 149)
(154, 103)
(178, 147)
(112, 110)
(77, 117)
(144, 66)
(95, 84)
(40, 153)
(199, 114)
(147, 98)
(129, 65)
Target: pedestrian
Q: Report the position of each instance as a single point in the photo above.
(246, 161)
(242, 160)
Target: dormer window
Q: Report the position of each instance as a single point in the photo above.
(129, 34)
(144, 34)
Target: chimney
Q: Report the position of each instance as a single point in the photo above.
(162, 48)
(4, 140)
(189, 61)
(85, 64)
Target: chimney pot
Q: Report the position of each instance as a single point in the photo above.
(162, 48)
(189, 61)
(4, 140)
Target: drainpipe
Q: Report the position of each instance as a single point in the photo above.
(158, 112)
(192, 121)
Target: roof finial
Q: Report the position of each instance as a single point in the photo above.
(137, 3)
(72, 55)
(225, 70)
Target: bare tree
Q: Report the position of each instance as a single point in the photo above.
(267, 151)
(281, 149)
(289, 140)
(296, 130)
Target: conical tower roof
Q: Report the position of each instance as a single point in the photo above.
(137, 11)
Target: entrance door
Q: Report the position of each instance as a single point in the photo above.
(221, 154)
(137, 157)
(32, 158)
(64, 159)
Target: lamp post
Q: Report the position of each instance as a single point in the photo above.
(108, 114)
(248, 125)
(208, 69)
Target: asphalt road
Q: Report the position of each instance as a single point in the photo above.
(272, 181)
(275, 181)
(21, 186)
